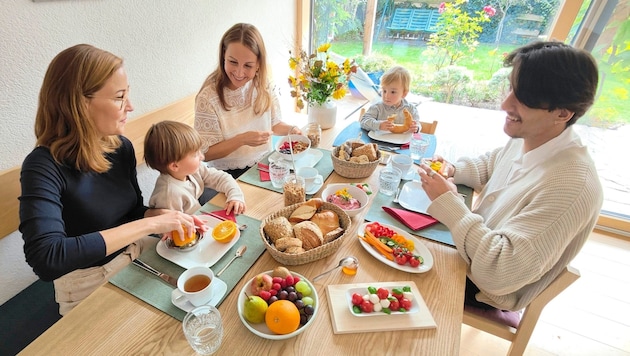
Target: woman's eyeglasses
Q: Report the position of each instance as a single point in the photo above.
(123, 100)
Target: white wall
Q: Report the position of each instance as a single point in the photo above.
(169, 47)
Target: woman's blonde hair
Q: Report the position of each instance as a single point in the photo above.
(62, 123)
(169, 141)
(249, 36)
(395, 74)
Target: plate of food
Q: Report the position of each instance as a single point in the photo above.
(412, 197)
(390, 137)
(390, 299)
(207, 253)
(395, 247)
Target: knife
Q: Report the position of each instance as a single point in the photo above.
(165, 277)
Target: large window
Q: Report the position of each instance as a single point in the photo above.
(462, 63)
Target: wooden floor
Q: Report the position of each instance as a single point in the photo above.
(591, 317)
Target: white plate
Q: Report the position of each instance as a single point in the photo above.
(219, 288)
(386, 136)
(419, 249)
(414, 303)
(310, 158)
(207, 253)
(315, 188)
(412, 197)
(261, 329)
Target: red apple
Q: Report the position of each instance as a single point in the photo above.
(261, 282)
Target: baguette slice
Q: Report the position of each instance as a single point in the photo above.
(302, 213)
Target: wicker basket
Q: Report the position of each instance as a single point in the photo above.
(348, 169)
(310, 255)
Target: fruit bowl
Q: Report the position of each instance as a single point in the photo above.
(261, 329)
(299, 150)
(356, 193)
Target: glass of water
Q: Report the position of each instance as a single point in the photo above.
(388, 180)
(203, 329)
(277, 172)
(418, 146)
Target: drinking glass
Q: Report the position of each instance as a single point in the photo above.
(388, 180)
(294, 190)
(203, 329)
(418, 146)
(277, 172)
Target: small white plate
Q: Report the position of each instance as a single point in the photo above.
(419, 249)
(412, 197)
(414, 303)
(310, 158)
(219, 288)
(206, 254)
(386, 136)
(315, 187)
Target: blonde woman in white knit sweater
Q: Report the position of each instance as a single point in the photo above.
(539, 196)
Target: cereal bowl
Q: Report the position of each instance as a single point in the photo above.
(261, 329)
(300, 144)
(354, 192)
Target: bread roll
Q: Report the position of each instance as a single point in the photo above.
(302, 213)
(287, 242)
(294, 250)
(309, 233)
(278, 228)
(326, 220)
(369, 149)
(333, 235)
(315, 202)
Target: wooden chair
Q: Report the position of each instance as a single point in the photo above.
(426, 127)
(519, 337)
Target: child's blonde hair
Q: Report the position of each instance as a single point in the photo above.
(169, 141)
(395, 74)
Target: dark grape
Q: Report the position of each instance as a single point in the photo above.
(290, 289)
(272, 299)
(303, 319)
(299, 304)
(292, 296)
(309, 310)
(283, 295)
(299, 295)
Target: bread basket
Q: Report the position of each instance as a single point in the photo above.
(348, 169)
(312, 254)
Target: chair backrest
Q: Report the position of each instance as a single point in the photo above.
(520, 336)
(426, 127)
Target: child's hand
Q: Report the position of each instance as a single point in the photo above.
(414, 127)
(234, 205)
(385, 125)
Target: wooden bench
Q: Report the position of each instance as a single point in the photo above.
(413, 23)
(182, 110)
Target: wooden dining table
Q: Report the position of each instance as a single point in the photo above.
(113, 322)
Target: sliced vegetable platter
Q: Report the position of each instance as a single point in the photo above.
(419, 249)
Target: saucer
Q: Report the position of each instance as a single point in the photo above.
(219, 288)
(315, 187)
(310, 159)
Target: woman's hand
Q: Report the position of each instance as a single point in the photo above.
(235, 205)
(435, 184)
(255, 138)
(164, 221)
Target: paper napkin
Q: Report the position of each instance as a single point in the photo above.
(404, 146)
(264, 176)
(412, 220)
(222, 215)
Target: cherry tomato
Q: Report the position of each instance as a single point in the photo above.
(401, 259)
(398, 294)
(382, 293)
(357, 299)
(414, 262)
(367, 306)
(405, 303)
(394, 304)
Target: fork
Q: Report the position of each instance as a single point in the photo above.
(396, 197)
(388, 148)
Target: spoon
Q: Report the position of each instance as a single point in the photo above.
(239, 253)
(397, 195)
(346, 261)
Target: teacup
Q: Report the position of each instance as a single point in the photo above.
(311, 177)
(195, 285)
(402, 162)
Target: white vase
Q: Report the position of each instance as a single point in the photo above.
(325, 114)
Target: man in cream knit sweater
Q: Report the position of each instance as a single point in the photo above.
(539, 196)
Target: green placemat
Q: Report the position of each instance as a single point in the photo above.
(438, 232)
(156, 292)
(252, 176)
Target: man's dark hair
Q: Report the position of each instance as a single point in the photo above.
(553, 75)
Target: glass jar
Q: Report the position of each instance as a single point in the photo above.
(294, 190)
(314, 133)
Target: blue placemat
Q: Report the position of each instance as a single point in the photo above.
(438, 232)
(252, 176)
(351, 132)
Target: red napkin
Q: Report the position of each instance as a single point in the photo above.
(222, 215)
(414, 221)
(264, 176)
(404, 146)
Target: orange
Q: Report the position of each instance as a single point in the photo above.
(190, 238)
(224, 232)
(282, 317)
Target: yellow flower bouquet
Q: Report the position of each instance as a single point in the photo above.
(318, 77)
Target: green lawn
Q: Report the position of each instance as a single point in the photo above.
(610, 108)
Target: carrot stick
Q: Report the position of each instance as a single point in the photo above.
(387, 255)
(378, 242)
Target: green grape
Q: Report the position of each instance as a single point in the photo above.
(308, 301)
(303, 288)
